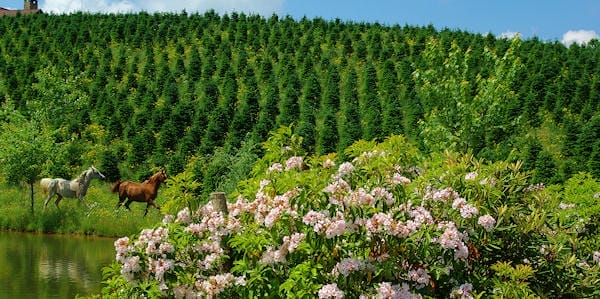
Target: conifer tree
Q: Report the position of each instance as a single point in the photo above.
(370, 105)
(390, 92)
(289, 109)
(194, 68)
(246, 112)
(268, 110)
(309, 105)
(350, 128)
(327, 126)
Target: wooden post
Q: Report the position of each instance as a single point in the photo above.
(219, 201)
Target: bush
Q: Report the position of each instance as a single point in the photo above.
(386, 223)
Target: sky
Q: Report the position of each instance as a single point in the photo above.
(566, 21)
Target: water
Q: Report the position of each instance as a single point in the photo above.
(52, 266)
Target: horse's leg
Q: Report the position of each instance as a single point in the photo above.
(50, 194)
(120, 203)
(58, 198)
(127, 203)
(154, 204)
(81, 200)
(151, 203)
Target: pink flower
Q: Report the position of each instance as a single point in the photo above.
(468, 211)
(183, 216)
(276, 167)
(121, 245)
(214, 285)
(379, 223)
(382, 193)
(294, 241)
(462, 292)
(398, 179)
(419, 275)
(293, 162)
(345, 169)
(471, 176)
(386, 290)
(488, 222)
(331, 291)
(328, 163)
(336, 228)
(346, 266)
(273, 216)
(130, 266)
(443, 195)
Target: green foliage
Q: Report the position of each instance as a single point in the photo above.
(389, 221)
(466, 112)
(512, 281)
(182, 191)
(26, 147)
(217, 81)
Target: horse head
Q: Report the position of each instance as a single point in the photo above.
(162, 175)
(95, 173)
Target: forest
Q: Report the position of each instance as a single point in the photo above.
(128, 92)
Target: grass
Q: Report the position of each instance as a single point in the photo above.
(100, 217)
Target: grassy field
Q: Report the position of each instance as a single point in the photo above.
(100, 217)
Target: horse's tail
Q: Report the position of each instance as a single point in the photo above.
(115, 187)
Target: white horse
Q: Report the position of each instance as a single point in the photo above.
(76, 188)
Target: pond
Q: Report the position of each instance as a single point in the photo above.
(52, 266)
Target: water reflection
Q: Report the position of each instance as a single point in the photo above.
(52, 266)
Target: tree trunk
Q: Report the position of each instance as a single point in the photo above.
(31, 192)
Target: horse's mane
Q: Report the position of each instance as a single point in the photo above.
(154, 177)
(81, 177)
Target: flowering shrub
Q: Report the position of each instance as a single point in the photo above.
(383, 223)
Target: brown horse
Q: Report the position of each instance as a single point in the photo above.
(140, 192)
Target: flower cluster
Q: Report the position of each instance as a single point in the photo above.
(463, 292)
(535, 187)
(328, 226)
(452, 238)
(293, 163)
(330, 291)
(487, 221)
(346, 266)
(290, 244)
(360, 223)
(387, 290)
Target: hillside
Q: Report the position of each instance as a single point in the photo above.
(133, 91)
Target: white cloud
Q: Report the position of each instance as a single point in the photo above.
(510, 34)
(578, 36)
(261, 7)
(70, 6)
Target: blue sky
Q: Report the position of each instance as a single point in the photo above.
(549, 20)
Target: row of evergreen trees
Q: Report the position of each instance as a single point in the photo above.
(157, 89)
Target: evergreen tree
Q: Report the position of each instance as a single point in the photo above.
(246, 112)
(268, 110)
(370, 105)
(327, 128)
(194, 65)
(390, 93)
(350, 129)
(289, 108)
(309, 105)
(545, 168)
